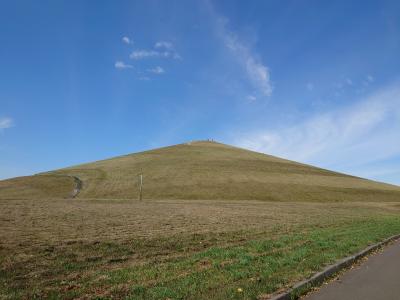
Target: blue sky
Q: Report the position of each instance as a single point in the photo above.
(314, 81)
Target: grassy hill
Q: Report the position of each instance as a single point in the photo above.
(199, 170)
(174, 248)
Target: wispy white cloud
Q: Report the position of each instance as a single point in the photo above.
(369, 79)
(121, 65)
(168, 49)
(256, 71)
(350, 137)
(175, 55)
(6, 122)
(161, 49)
(156, 70)
(164, 45)
(127, 40)
(251, 98)
(142, 54)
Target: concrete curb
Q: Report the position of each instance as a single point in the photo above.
(317, 279)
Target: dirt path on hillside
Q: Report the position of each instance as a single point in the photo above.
(78, 186)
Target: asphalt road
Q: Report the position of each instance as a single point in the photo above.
(375, 279)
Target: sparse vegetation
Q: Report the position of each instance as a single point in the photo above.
(93, 249)
(207, 170)
(100, 246)
(37, 187)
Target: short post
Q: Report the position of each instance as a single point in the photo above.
(140, 186)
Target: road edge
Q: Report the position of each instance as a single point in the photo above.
(317, 279)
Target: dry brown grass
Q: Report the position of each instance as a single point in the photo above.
(209, 170)
(46, 242)
(100, 245)
(37, 187)
(40, 223)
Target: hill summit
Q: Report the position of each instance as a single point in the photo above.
(198, 170)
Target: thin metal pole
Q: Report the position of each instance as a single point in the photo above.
(140, 187)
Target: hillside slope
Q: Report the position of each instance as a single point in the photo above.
(209, 170)
(38, 187)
